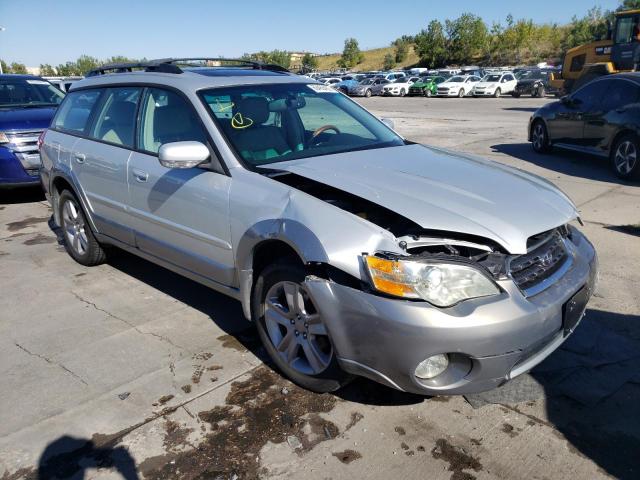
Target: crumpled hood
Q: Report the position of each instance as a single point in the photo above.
(26, 118)
(443, 190)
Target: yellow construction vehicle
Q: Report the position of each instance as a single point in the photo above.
(620, 52)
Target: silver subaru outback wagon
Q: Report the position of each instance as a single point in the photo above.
(354, 251)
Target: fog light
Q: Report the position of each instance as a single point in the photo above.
(432, 366)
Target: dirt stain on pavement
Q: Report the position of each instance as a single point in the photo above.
(186, 388)
(27, 222)
(509, 430)
(39, 239)
(175, 437)
(229, 341)
(164, 399)
(347, 456)
(457, 458)
(256, 412)
(400, 431)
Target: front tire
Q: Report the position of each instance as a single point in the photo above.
(402, 92)
(540, 137)
(367, 93)
(79, 241)
(461, 93)
(428, 93)
(540, 92)
(497, 93)
(625, 157)
(292, 329)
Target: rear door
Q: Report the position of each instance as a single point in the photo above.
(602, 125)
(179, 215)
(508, 84)
(100, 161)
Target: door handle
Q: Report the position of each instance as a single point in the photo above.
(80, 157)
(140, 176)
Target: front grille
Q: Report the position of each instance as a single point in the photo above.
(547, 255)
(443, 91)
(25, 146)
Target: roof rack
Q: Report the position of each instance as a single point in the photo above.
(170, 65)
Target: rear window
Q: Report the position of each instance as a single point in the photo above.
(73, 115)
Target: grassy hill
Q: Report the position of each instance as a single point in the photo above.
(373, 59)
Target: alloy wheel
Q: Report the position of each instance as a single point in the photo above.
(295, 328)
(74, 227)
(626, 157)
(538, 137)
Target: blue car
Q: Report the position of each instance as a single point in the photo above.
(27, 105)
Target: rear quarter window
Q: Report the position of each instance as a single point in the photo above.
(73, 115)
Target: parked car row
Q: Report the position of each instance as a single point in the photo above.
(468, 82)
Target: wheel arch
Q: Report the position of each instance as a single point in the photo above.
(618, 135)
(59, 182)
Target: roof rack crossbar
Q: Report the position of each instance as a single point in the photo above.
(170, 65)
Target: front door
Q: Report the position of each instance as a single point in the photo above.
(179, 215)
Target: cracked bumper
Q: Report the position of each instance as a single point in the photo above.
(489, 341)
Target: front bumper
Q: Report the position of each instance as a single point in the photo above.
(489, 341)
(483, 93)
(13, 173)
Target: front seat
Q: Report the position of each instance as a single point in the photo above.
(118, 128)
(256, 141)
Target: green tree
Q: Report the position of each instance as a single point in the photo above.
(629, 5)
(467, 38)
(402, 50)
(68, 69)
(351, 54)
(18, 68)
(5, 67)
(431, 45)
(280, 57)
(309, 62)
(389, 62)
(47, 70)
(85, 63)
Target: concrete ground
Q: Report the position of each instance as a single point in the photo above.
(128, 371)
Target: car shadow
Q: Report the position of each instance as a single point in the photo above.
(224, 311)
(593, 401)
(521, 109)
(9, 196)
(70, 457)
(566, 162)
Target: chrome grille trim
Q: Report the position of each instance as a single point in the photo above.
(25, 145)
(547, 260)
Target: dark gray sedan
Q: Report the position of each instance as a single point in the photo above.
(369, 87)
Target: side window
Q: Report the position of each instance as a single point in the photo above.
(116, 120)
(626, 29)
(75, 110)
(166, 118)
(577, 62)
(589, 96)
(619, 94)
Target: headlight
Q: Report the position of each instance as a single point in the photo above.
(439, 283)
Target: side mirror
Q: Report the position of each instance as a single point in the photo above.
(388, 122)
(183, 154)
(566, 100)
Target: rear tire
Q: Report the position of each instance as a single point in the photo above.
(625, 157)
(280, 307)
(79, 241)
(540, 137)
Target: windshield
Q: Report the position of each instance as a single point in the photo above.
(456, 79)
(400, 80)
(530, 74)
(274, 123)
(28, 92)
(491, 78)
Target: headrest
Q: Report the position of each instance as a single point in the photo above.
(282, 104)
(122, 112)
(254, 108)
(170, 120)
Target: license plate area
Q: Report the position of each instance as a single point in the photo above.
(574, 309)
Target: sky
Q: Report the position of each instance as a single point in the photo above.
(41, 31)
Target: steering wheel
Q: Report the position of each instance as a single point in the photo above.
(322, 129)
